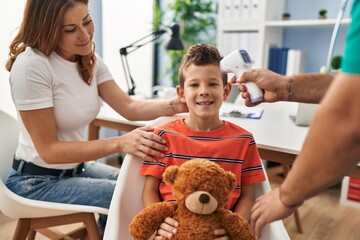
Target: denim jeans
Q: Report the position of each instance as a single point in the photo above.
(94, 187)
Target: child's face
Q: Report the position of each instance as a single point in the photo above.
(203, 91)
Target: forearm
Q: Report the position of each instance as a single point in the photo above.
(306, 88)
(134, 109)
(243, 208)
(150, 198)
(81, 151)
(150, 109)
(332, 147)
(246, 201)
(150, 194)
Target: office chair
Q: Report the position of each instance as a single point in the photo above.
(37, 216)
(127, 200)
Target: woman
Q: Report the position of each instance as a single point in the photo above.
(56, 80)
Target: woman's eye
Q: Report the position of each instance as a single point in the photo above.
(88, 22)
(69, 30)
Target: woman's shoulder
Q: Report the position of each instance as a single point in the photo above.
(31, 58)
(99, 59)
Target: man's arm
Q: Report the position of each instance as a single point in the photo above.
(332, 147)
(307, 88)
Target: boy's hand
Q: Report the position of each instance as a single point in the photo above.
(167, 229)
(222, 234)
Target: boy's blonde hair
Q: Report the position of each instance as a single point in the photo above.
(199, 55)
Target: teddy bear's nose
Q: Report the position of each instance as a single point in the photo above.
(204, 198)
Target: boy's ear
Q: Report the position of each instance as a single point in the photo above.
(227, 90)
(180, 93)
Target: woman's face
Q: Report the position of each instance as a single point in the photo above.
(76, 33)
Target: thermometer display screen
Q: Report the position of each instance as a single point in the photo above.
(245, 56)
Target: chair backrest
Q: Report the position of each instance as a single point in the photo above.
(14, 205)
(9, 137)
(127, 200)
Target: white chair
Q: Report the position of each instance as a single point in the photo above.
(37, 216)
(127, 202)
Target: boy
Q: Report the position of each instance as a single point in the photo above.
(203, 87)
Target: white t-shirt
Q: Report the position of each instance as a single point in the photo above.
(38, 82)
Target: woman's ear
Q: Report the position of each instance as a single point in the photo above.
(180, 93)
(227, 91)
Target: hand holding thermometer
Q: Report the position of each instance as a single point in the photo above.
(239, 62)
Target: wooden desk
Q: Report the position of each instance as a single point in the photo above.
(277, 137)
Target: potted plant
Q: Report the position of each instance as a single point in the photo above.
(336, 62)
(322, 13)
(197, 19)
(286, 16)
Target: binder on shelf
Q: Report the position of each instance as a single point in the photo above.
(228, 9)
(229, 42)
(278, 60)
(246, 8)
(273, 56)
(243, 42)
(254, 9)
(248, 40)
(253, 47)
(237, 11)
(225, 43)
(282, 60)
(295, 62)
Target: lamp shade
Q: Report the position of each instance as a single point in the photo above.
(175, 42)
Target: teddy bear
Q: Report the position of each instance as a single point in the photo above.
(201, 189)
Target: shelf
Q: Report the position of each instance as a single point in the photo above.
(306, 23)
(268, 29)
(239, 25)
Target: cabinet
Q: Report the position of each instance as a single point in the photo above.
(257, 25)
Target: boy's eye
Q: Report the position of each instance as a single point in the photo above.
(194, 85)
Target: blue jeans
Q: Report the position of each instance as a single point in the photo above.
(94, 187)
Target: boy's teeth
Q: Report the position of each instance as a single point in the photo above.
(204, 103)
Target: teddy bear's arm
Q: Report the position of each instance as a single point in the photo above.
(236, 227)
(149, 219)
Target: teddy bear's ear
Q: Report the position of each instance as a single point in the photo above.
(231, 180)
(170, 174)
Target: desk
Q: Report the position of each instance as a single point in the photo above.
(276, 135)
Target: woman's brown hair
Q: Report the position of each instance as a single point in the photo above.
(40, 29)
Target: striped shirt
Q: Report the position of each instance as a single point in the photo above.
(230, 146)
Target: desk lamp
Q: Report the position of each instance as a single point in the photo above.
(175, 43)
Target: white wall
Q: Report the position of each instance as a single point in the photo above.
(10, 18)
(124, 22)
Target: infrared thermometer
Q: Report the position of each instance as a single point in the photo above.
(239, 62)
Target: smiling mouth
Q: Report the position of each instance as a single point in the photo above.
(204, 103)
(84, 44)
